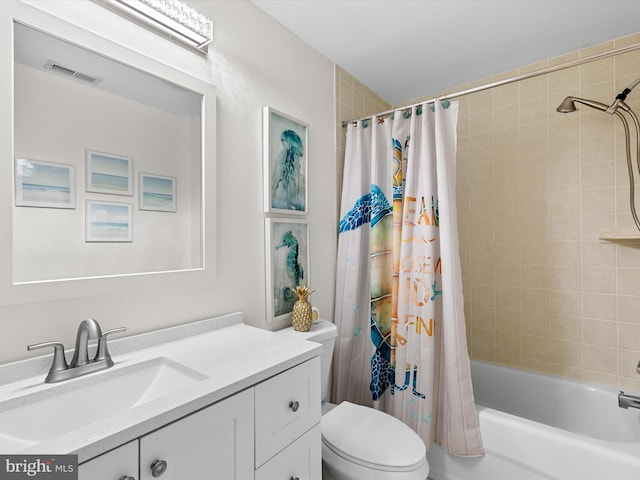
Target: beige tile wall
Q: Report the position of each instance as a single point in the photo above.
(535, 190)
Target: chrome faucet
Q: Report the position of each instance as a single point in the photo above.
(88, 329)
(626, 400)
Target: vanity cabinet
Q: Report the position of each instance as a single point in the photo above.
(216, 442)
(269, 431)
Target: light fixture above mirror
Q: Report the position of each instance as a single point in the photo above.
(170, 17)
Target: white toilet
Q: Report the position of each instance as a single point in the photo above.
(359, 442)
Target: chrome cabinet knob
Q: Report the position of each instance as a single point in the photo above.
(127, 477)
(294, 406)
(158, 467)
(294, 478)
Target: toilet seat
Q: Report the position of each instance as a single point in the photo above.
(349, 431)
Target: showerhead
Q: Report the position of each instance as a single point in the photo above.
(568, 105)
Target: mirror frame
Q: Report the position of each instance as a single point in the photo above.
(101, 32)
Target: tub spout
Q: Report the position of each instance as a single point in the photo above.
(626, 401)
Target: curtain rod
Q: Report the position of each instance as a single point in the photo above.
(499, 83)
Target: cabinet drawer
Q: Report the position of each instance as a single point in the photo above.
(118, 463)
(302, 459)
(279, 419)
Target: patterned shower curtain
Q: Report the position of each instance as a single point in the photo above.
(399, 306)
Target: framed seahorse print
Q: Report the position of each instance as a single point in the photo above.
(285, 163)
(287, 262)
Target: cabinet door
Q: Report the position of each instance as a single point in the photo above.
(113, 465)
(301, 460)
(287, 406)
(214, 443)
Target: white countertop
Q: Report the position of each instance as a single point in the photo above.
(232, 356)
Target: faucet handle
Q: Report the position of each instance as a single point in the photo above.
(59, 360)
(114, 330)
(103, 352)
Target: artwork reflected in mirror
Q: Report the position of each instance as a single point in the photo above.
(157, 193)
(90, 127)
(108, 221)
(108, 173)
(44, 184)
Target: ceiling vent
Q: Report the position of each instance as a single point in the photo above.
(68, 72)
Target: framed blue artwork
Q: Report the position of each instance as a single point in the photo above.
(44, 184)
(285, 163)
(108, 221)
(108, 173)
(156, 192)
(287, 258)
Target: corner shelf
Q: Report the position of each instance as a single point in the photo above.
(624, 237)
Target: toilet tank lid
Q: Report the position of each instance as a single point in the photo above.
(320, 331)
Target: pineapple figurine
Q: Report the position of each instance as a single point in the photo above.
(301, 315)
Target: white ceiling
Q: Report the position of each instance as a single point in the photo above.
(404, 49)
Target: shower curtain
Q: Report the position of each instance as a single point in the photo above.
(402, 346)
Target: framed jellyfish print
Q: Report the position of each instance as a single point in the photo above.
(287, 264)
(285, 163)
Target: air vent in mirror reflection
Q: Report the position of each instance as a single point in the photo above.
(68, 72)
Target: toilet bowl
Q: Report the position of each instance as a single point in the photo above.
(358, 442)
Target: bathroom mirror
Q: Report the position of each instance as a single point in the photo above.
(111, 173)
(108, 166)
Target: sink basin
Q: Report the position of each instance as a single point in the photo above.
(48, 413)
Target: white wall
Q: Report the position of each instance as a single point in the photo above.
(255, 62)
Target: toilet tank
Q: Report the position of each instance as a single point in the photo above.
(323, 332)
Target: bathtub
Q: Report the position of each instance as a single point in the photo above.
(537, 427)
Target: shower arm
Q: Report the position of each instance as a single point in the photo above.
(621, 97)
